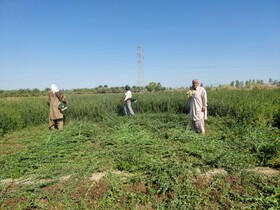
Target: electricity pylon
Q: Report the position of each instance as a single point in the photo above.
(140, 68)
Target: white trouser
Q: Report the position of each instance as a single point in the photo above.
(128, 109)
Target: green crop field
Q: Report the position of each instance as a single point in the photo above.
(104, 160)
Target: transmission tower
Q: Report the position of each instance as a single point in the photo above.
(140, 68)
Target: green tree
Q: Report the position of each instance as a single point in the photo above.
(153, 86)
(237, 83)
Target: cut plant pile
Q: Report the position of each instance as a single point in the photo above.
(150, 161)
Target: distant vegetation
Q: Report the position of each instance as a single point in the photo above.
(151, 87)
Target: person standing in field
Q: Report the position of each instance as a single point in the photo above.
(55, 97)
(197, 100)
(127, 101)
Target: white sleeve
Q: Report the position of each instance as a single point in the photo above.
(204, 98)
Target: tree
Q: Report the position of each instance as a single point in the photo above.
(237, 83)
(275, 82)
(151, 87)
(154, 87)
(158, 87)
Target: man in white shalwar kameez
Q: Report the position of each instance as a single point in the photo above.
(197, 99)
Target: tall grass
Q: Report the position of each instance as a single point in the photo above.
(258, 107)
(19, 113)
(253, 107)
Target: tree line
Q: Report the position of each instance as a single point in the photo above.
(250, 83)
(151, 87)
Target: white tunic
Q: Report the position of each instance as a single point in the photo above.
(196, 102)
(128, 95)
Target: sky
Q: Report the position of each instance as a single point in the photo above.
(87, 43)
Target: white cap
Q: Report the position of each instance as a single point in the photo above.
(54, 88)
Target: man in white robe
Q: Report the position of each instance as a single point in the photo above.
(197, 99)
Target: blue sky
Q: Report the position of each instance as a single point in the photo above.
(87, 43)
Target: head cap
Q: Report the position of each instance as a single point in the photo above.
(54, 88)
(127, 87)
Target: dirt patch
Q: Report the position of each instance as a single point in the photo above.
(122, 174)
(98, 191)
(7, 181)
(265, 170)
(213, 173)
(140, 187)
(89, 192)
(28, 181)
(204, 179)
(13, 203)
(65, 178)
(98, 176)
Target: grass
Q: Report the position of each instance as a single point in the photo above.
(150, 161)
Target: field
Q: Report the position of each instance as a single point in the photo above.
(104, 160)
